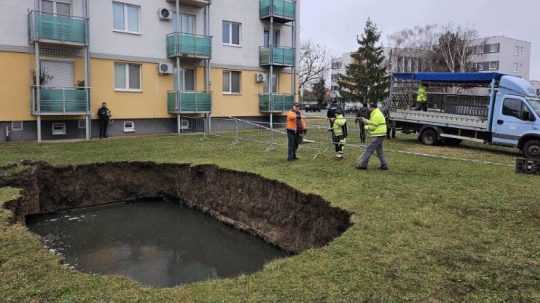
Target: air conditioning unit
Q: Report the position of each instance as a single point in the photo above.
(165, 69)
(260, 78)
(165, 14)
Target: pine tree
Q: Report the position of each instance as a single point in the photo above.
(366, 79)
(319, 90)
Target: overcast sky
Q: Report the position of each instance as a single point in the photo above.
(335, 23)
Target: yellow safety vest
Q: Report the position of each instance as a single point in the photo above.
(377, 124)
(422, 94)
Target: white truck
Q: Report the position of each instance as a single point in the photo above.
(489, 108)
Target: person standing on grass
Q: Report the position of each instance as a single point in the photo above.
(339, 133)
(104, 115)
(376, 127)
(296, 127)
(363, 113)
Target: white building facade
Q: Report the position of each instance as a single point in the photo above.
(502, 54)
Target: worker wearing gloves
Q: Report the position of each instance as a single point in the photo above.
(339, 133)
(376, 127)
(422, 98)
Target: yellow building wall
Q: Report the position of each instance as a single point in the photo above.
(245, 104)
(16, 71)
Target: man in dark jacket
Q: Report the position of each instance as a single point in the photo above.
(363, 112)
(104, 115)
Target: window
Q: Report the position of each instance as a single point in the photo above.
(59, 129)
(231, 82)
(189, 80)
(17, 126)
(231, 33)
(187, 23)
(516, 67)
(56, 7)
(185, 125)
(129, 127)
(267, 38)
(82, 124)
(494, 65)
(126, 17)
(275, 80)
(515, 108)
(492, 48)
(127, 76)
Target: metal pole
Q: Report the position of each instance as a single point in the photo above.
(270, 78)
(87, 72)
(207, 64)
(178, 70)
(294, 45)
(38, 89)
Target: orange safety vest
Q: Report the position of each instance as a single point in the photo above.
(291, 121)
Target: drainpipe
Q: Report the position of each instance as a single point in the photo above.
(207, 65)
(37, 79)
(270, 78)
(294, 45)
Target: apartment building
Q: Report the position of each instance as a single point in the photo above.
(338, 66)
(502, 54)
(162, 66)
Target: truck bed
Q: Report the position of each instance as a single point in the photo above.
(440, 119)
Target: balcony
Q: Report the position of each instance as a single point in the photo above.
(283, 11)
(61, 101)
(189, 46)
(193, 3)
(284, 57)
(58, 29)
(280, 103)
(190, 102)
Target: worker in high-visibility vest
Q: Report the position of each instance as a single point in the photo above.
(376, 127)
(422, 98)
(339, 133)
(296, 128)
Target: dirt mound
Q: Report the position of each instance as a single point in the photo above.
(272, 210)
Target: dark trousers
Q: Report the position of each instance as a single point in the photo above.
(103, 125)
(363, 135)
(376, 146)
(422, 106)
(293, 142)
(338, 143)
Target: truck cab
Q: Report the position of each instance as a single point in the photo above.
(516, 116)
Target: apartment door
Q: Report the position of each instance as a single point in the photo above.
(189, 80)
(267, 38)
(58, 74)
(56, 7)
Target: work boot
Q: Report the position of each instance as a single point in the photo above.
(359, 167)
(383, 168)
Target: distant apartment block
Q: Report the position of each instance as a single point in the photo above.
(338, 67)
(502, 54)
(536, 84)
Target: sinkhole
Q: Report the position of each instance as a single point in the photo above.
(157, 243)
(167, 224)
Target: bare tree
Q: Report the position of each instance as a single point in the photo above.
(313, 63)
(455, 47)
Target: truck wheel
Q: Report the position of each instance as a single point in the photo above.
(429, 137)
(531, 149)
(452, 141)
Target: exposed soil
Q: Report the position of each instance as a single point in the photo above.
(272, 210)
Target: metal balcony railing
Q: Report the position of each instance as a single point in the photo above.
(283, 10)
(189, 45)
(190, 102)
(70, 100)
(279, 56)
(59, 29)
(280, 103)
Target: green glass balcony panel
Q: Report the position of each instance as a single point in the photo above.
(284, 9)
(280, 103)
(63, 100)
(277, 56)
(189, 45)
(190, 102)
(63, 29)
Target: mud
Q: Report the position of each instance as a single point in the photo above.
(271, 210)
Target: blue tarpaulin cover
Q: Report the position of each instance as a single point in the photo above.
(450, 77)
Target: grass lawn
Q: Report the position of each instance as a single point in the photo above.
(429, 230)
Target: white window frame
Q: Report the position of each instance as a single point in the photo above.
(55, 10)
(230, 92)
(127, 128)
(17, 126)
(126, 22)
(62, 131)
(126, 71)
(230, 23)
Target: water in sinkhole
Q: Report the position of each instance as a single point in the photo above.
(160, 244)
